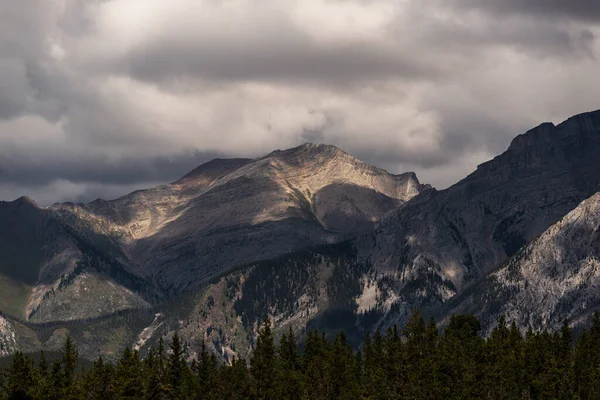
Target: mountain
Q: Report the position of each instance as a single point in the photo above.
(437, 245)
(7, 338)
(232, 212)
(77, 261)
(429, 252)
(49, 271)
(556, 276)
(315, 239)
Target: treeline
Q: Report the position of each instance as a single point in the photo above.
(416, 362)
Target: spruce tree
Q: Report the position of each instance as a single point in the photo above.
(20, 377)
(3, 387)
(392, 363)
(288, 383)
(177, 368)
(98, 382)
(69, 359)
(128, 376)
(314, 363)
(415, 332)
(343, 373)
(206, 373)
(42, 378)
(57, 381)
(234, 382)
(262, 363)
(564, 357)
(155, 384)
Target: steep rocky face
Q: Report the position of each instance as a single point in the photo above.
(8, 343)
(231, 212)
(73, 261)
(556, 276)
(440, 242)
(43, 260)
(444, 251)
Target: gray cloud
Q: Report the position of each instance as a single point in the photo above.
(585, 10)
(96, 170)
(101, 97)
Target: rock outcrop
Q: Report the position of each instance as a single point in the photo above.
(80, 261)
(227, 213)
(557, 276)
(440, 243)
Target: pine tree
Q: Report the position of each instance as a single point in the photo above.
(234, 382)
(288, 383)
(155, 382)
(262, 363)
(415, 332)
(178, 369)
(392, 363)
(20, 377)
(43, 383)
(98, 382)
(69, 360)
(314, 361)
(564, 356)
(343, 373)
(57, 381)
(594, 357)
(3, 387)
(128, 376)
(206, 373)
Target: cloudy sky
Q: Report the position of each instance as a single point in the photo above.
(100, 97)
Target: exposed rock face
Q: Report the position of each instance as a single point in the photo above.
(84, 261)
(50, 271)
(556, 276)
(28, 238)
(441, 242)
(231, 212)
(88, 295)
(8, 343)
(496, 242)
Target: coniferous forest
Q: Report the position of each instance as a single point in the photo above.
(415, 362)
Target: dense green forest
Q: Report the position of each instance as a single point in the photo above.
(416, 362)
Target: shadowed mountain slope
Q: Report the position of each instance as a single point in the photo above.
(73, 261)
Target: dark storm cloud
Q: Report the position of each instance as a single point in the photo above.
(584, 10)
(98, 98)
(291, 60)
(97, 170)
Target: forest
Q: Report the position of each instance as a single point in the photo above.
(418, 361)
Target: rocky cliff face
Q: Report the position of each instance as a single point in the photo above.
(50, 271)
(242, 232)
(436, 245)
(557, 276)
(8, 343)
(231, 212)
(78, 261)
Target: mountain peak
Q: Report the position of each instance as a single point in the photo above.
(212, 169)
(25, 200)
(308, 150)
(576, 125)
(547, 143)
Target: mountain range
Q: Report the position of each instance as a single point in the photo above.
(313, 238)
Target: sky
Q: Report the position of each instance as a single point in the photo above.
(102, 97)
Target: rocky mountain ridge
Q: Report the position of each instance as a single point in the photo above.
(442, 242)
(557, 276)
(230, 212)
(316, 239)
(98, 258)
